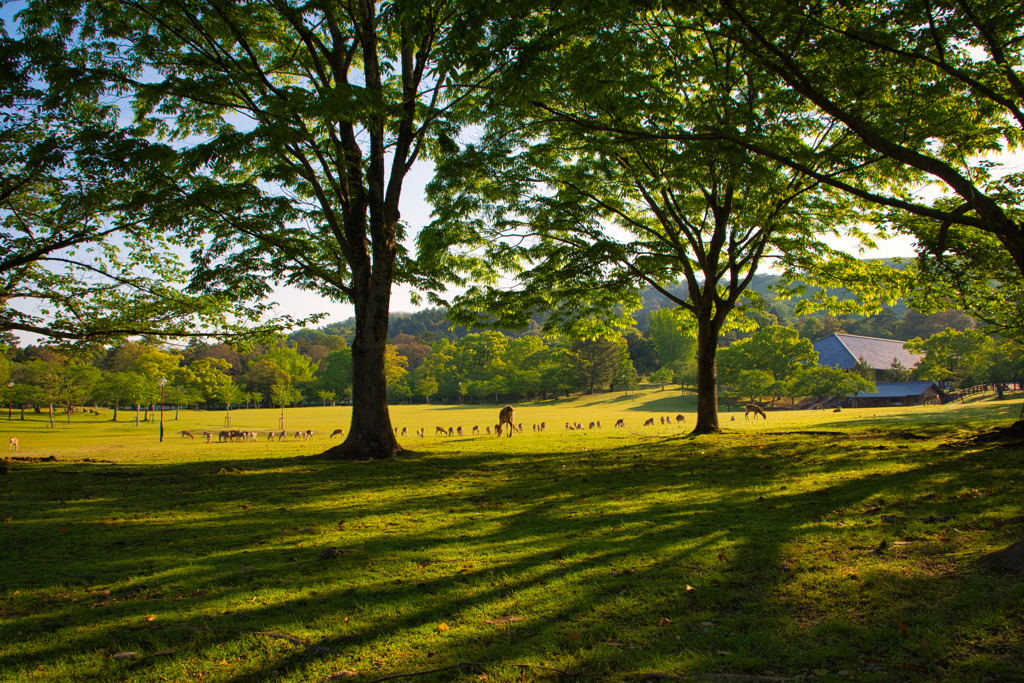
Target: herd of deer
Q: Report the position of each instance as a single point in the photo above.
(506, 416)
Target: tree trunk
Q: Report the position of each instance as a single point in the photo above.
(370, 435)
(50, 414)
(707, 375)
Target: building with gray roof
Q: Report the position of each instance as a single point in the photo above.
(843, 351)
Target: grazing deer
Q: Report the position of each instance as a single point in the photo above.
(309, 434)
(282, 435)
(592, 425)
(337, 432)
(270, 436)
(13, 445)
(505, 416)
(186, 433)
(459, 430)
(476, 430)
(440, 430)
(620, 423)
(488, 429)
(649, 423)
(569, 426)
(405, 431)
(451, 431)
(756, 410)
(543, 425)
(680, 418)
(209, 436)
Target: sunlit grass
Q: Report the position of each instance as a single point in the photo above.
(603, 554)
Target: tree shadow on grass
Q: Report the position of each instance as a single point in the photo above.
(676, 556)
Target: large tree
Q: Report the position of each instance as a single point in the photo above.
(934, 89)
(83, 253)
(579, 193)
(297, 125)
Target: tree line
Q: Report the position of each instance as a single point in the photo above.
(314, 367)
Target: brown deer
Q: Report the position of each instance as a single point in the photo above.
(187, 434)
(680, 418)
(506, 416)
(620, 423)
(13, 445)
(756, 410)
(337, 432)
(649, 423)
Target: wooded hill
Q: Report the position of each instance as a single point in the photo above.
(893, 322)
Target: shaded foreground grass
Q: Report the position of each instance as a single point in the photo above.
(585, 556)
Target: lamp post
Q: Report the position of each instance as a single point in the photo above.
(162, 383)
(10, 399)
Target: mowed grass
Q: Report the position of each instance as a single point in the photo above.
(602, 555)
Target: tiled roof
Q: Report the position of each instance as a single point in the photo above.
(843, 350)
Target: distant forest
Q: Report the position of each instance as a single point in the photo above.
(893, 322)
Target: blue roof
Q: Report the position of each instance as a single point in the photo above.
(843, 350)
(901, 389)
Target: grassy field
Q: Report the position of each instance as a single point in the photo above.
(811, 546)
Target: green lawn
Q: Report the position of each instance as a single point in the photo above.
(767, 552)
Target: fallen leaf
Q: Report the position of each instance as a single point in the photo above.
(151, 617)
(503, 620)
(443, 627)
(664, 622)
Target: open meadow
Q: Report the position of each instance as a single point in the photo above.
(812, 546)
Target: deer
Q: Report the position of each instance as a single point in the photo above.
(649, 423)
(505, 416)
(187, 434)
(620, 423)
(337, 432)
(13, 445)
(680, 418)
(756, 410)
